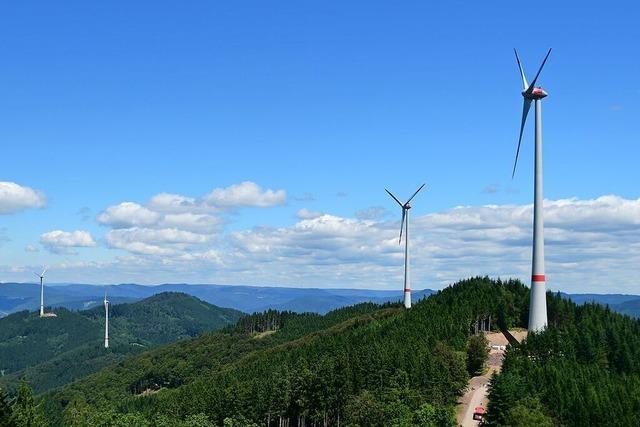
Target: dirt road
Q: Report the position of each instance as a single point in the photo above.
(477, 389)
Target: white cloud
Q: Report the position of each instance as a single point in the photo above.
(307, 214)
(166, 202)
(198, 223)
(14, 198)
(128, 214)
(31, 248)
(59, 241)
(591, 246)
(174, 224)
(246, 194)
(149, 241)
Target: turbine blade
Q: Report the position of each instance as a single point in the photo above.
(45, 270)
(394, 197)
(402, 224)
(414, 194)
(533, 83)
(36, 274)
(524, 79)
(525, 111)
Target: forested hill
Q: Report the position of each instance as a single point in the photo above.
(52, 351)
(362, 365)
(584, 370)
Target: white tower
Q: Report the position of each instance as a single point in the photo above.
(41, 276)
(538, 301)
(106, 321)
(404, 224)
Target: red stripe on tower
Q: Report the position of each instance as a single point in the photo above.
(407, 290)
(538, 278)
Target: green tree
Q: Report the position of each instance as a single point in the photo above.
(5, 410)
(236, 421)
(429, 416)
(25, 411)
(77, 413)
(198, 420)
(528, 412)
(477, 353)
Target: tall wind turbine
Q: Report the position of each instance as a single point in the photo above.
(538, 303)
(41, 276)
(405, 224)
(106, 320)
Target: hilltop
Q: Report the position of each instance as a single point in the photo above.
(364, 365)
(374, 365)
(52, 351)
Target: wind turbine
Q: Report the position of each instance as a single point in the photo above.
(538, 302)
(41, 276)
(405, 223)
(106, 320)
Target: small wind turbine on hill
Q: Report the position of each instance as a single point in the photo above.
(404, 224)
(538, 304)
(106, 320)
(41, 276)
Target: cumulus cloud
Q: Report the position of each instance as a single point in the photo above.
(128, 214)
(173, 224)
(149, 241)
(246, 194)
(584, 239)
(166, 202)
(307, 214)
(14, 198)
(59, 241)
(591, 246)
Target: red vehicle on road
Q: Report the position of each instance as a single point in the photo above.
(478, 413)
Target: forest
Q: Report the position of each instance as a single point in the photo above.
(584, 370)
(362, 365)
(50, 352)
(366, 365)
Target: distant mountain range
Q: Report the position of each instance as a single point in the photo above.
(249, 299)
(55, 350)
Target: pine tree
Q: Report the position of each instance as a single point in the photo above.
(25, 411)
(5, 410)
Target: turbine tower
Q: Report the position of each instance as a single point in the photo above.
(41, 276)
(538, 301)
(405, 223)
(106, 320)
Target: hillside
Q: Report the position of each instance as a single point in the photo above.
(53, 351)
(363, 365)
(584, 370)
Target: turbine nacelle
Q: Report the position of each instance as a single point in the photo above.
(536, 93)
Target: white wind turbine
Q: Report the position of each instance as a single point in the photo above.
(106, 320)
(538, 302)
(41, 276)
(405, 224)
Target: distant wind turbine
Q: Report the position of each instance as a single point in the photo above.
(538, 302)
(106, 320)
(404, 224)
(41, 276)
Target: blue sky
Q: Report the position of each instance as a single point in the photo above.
(330, 102)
